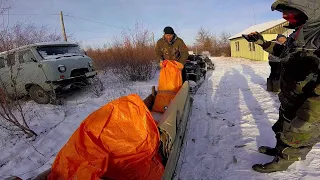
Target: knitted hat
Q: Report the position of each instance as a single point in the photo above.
(168, 30)
(280, 36)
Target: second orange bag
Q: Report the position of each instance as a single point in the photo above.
(170, 76)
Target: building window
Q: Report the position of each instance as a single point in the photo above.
(237, 46)
(252, 46)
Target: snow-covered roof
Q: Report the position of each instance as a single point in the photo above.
(259, 28)
(39, 44)
(53, 43)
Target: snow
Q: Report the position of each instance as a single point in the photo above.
(259, 28)
(231, 117)
(55, 124)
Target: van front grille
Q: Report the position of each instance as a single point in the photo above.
(79, 72)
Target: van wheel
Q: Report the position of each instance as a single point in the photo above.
(39, 95)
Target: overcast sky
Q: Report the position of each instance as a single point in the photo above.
(185, 16)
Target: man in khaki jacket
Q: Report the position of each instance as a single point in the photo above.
(171, 47)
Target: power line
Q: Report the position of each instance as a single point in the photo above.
(75, 17)
(33, 14)
(103, 23)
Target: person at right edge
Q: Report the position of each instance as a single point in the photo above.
(273, 83)
(298, 127)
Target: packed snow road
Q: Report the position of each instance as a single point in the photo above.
(231, 117)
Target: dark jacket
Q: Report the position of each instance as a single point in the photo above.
(174, 50)
(299, 113)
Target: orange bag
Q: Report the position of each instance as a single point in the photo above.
(170, 82)
(170, 76)
(118, 141)
(162, 101)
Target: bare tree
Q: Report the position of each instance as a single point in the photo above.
(23, 34)
(217, 46)
(12, 114)
(205, 41)
(132, 56)
(224, 44)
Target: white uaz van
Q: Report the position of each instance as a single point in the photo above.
(41, 69)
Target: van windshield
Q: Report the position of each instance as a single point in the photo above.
(59, 51)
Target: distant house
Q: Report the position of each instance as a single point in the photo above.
(269, 30)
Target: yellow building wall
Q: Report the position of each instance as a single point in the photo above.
(244, 52)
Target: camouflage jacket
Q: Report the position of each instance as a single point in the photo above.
(174, 50)
(301, 112)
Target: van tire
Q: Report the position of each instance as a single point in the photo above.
(39, 95)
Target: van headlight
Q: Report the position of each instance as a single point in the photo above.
(90, 64)
(62, 68)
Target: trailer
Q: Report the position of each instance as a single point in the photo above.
(172, 125)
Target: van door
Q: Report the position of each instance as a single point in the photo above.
(30, 73)
(4, 77)
(9, 73)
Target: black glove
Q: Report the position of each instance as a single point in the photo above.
(257, 38)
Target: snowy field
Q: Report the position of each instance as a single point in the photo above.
(232, 115)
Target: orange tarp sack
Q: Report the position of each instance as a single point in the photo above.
(118, 141)
(170, 76)
(170, 82)
(162, 101)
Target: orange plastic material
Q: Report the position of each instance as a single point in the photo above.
(118, 141)
(170, 82)
(170, 76)
(162, 101)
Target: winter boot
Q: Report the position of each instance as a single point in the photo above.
(269, 85)
(268, 150)
(278, 164)
(276, 86)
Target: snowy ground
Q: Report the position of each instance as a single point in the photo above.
(231, 117)
(55, 124)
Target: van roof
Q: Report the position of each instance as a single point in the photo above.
(39, 44)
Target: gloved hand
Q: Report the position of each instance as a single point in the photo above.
(258, 37)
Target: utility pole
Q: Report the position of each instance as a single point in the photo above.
(254, 16)
(62, 26)
(153, 41)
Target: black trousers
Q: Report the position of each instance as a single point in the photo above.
(275, 70)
